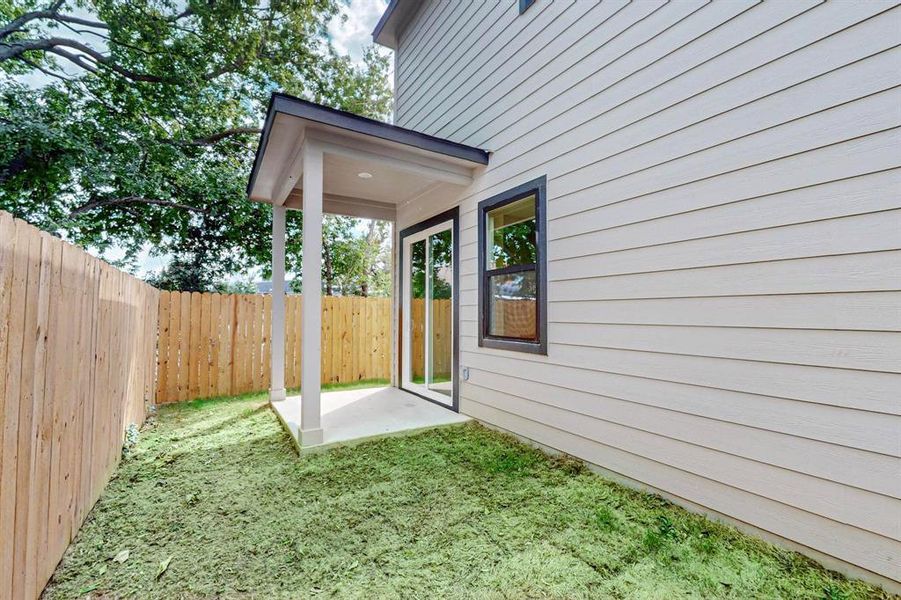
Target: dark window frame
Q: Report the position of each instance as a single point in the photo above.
(538, 188)
(524, 5)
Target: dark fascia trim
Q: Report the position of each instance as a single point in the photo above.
(539, 188)
(524, 5)
(449, 215)
(261, 145)
(386, 16)
(297, 107)
(398, 14)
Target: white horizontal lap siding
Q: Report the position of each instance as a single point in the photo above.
(875, 553)
(724, 245)
(705, 448)
(621, 229)
(875, 271)
(862, 350)
(848, 235)
(875, 311)
(434, 57)
(839, 427)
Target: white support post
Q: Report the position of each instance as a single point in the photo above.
(311, 316)
(277, 368)
(395, 306)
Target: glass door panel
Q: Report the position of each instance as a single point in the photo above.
(417, 311)
(440, 297)
(428, 361)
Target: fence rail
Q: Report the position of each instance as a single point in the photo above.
(219, 344)
(77, 346)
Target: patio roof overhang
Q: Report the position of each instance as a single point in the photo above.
(402, 164)
(322, 160)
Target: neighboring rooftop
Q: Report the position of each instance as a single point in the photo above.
(265, 287)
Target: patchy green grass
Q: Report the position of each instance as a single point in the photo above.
(293, 391)
(213, 502)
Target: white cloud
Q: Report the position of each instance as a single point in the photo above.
(353, 33)
(146, 262)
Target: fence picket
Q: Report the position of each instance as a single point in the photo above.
(162, 379)
(267, 340)
(184, 344)
(78, 342)
(203, 358)
(223, 342)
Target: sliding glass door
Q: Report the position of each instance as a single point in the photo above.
(428, 312)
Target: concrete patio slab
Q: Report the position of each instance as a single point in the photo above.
(351, 416)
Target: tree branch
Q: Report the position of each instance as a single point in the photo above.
(185, 13)
(46, 72)
(79, 21)
(127, 200)
(52, 14)
(54, 45)
(75, 59)
(217, 137)
(15, 49)
(229, 68)
(17, 23)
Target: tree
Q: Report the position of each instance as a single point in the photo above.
(440, 259)
(235, 287)
(356, 257)
(146, 128)
(182, 276)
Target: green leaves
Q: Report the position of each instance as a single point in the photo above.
(153, 146)
(356, 256)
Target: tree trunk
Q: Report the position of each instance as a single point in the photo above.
(367, 268)
(327, 263)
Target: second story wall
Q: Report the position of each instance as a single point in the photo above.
(724, 257)
(471, 71)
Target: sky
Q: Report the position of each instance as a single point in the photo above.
(349, 35)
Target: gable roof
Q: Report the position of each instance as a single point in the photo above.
(394, 18)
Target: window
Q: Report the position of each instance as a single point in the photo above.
(512, 279)
(524, 5)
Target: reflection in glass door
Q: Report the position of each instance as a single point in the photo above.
(439, 298)
(428, 313)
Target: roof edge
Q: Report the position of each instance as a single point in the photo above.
(261, 144)
(317, 113)
(396, 15)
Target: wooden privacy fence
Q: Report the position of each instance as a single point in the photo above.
(219, 344)
(77, 347)
(441, 354)
(515, 317)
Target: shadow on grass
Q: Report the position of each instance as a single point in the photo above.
(220, 425)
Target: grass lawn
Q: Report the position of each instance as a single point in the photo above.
(214, 493)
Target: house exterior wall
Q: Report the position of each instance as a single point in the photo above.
(724, 246)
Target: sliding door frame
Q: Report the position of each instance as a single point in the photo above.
(448, 215)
